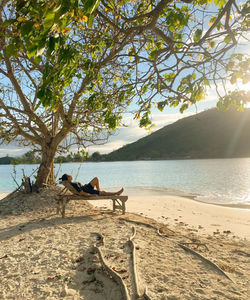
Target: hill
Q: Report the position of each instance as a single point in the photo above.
(6, 160)
(209, 134)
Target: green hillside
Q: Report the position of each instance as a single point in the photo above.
(209, 134)
(6, 160)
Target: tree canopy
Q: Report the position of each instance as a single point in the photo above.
(74, 67)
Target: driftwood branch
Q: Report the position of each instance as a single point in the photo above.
(218, 269)
(145, 224)
(132, 246)
(112, 273)
(143, 295)
(196, 244)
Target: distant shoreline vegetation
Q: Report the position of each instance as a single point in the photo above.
(95, 157)
(31, 158)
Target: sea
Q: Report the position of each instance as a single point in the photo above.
(218, 181)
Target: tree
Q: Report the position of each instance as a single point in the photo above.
(70, 69)
(96, 156)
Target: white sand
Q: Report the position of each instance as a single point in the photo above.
(175, 210)
(2, 195)
(43, 256)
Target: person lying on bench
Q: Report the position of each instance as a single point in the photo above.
(90, 189)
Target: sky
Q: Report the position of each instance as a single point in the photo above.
(132, 132)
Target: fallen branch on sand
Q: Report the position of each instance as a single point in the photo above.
(196, 244)
(145, 294)
(145, 224)
(208, 261)
(132, 245)
(217, 268)
(112, 273)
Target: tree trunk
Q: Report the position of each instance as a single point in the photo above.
(45, 174)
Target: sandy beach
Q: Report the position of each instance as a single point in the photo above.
(43, 256)
(182, 211)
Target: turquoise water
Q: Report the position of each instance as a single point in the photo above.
(222, 181)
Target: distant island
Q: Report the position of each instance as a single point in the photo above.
(209, 134)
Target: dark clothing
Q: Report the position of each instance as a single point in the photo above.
(76, 185)
(87, 188)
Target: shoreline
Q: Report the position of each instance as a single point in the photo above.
(184, 211)
(166, 192)
(174, 192)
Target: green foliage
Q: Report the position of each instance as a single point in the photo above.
(7, 160)
(41, 28)
(237, 99)
(86, 61)
(238, 67)
(28, 158)
(71, 157)
(96, 156)
(45, 29)
(197, 35)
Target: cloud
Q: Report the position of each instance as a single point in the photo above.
(123, 135)
(12, 150)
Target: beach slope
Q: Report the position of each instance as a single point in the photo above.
(43, 256)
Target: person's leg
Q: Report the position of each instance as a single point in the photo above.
(103, 193)
(95, 183)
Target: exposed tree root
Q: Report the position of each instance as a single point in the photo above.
(196, 244)
(112, 273)
(145, 224)
(138, 295)
(145, 295)
(218, 269)
(116, 276)
(206, 260)
(132, 245)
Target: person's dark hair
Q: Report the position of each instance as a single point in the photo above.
(64, 177)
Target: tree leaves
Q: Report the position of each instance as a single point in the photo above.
(49, 20)
(10, 50)
(197, 35)
(174, 57)
(91, 5)
(238, 99)
(227, 39)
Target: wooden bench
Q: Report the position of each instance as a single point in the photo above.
(63, 198)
